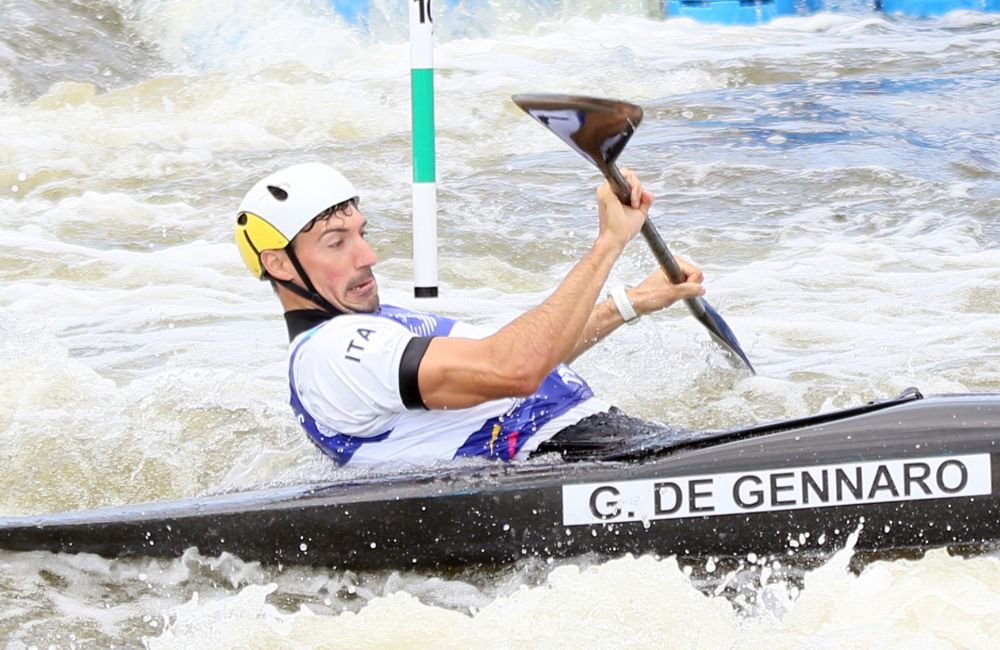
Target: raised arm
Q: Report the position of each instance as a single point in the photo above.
(458, 373)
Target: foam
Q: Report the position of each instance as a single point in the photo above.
(640, 602)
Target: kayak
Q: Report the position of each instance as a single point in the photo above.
(911, 472)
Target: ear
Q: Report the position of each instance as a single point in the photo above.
(277, 264)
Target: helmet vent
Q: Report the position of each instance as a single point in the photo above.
(277, 192)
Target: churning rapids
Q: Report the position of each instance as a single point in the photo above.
(836, 176)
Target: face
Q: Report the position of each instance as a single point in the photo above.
(339, 261)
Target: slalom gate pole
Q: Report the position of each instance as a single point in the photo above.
(425, 266)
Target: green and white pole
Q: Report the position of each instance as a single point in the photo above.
(425, 271)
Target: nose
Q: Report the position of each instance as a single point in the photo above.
(365, 255)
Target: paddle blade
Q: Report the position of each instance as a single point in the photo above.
(723, 334)
(598, 129)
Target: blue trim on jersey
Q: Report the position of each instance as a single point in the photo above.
(419, 323)
(503, 436)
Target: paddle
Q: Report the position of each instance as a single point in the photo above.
(599, 129)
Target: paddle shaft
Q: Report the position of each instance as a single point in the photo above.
(700, 309)
(660, 251)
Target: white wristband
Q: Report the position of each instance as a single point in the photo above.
(623, 304)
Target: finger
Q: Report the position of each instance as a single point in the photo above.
(692, 272)
(690, 290)
(603, 191)
(634, 187)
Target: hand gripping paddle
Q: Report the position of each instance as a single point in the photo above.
(599, 129)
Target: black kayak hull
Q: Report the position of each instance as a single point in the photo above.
(911, 473)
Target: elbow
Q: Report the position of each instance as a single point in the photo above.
(523, 379)
(517, 371)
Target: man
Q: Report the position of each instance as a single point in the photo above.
(372, 383)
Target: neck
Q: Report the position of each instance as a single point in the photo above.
(294, 297)
(302, 320)
(293, 302)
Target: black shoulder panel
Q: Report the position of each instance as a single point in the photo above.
(409, 391)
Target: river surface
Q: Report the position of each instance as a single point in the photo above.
(836, 176)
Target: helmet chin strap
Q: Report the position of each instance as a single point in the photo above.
(309, 291)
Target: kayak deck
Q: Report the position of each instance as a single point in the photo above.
(911, 472)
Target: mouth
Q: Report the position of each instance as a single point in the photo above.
(362, 287)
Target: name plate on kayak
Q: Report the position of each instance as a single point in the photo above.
(788, 488)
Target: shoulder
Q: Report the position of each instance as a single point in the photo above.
(351, 337)
(346, 371)
(352, 322)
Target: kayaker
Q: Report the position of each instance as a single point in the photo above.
(372, 383)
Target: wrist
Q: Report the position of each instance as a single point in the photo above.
(626, 309)
(608, 243)
(641, 301)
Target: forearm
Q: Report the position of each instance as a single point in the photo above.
(548, 334)
(654, 293)
(604, 319)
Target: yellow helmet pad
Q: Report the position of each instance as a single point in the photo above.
(253, 235)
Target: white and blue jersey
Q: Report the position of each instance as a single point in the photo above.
(354, 391)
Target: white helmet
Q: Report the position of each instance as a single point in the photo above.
(282, 204)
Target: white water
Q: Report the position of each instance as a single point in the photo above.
(836, 177)
(638, 603)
